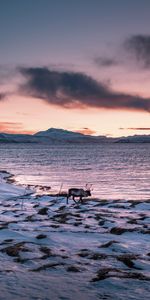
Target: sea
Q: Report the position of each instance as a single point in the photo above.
(112, 171)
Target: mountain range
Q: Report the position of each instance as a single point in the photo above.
(55, 135)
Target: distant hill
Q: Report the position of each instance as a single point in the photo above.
(55, 135)
(58, 134)
(134, 139)
(52, 135)
(16, 138)
(4, 138)
(61, 135)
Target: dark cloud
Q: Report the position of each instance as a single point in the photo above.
(135, 48)
(136, 128)
(76, 90)
(2, 96)
(105, 62)
(86, 131)
(139, 47)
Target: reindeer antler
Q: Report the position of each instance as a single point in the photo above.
(88, 186)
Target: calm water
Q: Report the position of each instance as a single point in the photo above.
(117, 171)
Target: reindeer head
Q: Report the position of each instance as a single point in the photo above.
(88, 193)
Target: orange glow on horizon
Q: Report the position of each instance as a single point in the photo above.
(86, 131)
(28, 116)
(14, 128)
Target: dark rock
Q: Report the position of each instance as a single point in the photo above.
(13, 250)
(101, 275)
(108, 244)
(47, 266)
(126, 259)
(119, 230)
(135, 275)
(41, 236)
(43, 211)
(84, 253)
(73, 269)
(98, 256)
(87, 226)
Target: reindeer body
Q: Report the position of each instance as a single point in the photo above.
(76, 192)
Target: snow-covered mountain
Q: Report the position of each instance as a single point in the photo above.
(61, 135)
(48, 136)
(58, 134)
(55, 135)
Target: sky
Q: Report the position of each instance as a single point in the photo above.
(80, 65)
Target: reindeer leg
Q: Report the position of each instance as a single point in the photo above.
(67, 200)
(74, 199)
(81, 199)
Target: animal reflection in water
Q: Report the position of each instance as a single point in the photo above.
(78, 193)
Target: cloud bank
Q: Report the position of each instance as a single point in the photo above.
(135, 49)
(105, 61)
(2, 96)
(86, 131)
(139, 47)
(137, 128)
(10, 127)
(76, 90)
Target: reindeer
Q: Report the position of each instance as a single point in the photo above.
(78, 192)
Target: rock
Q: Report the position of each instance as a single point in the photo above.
(41, 236)
(43, 211)
(13, 250)
(73, 269)
(119, 230)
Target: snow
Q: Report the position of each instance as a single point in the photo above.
(8, 190)
(50, 250)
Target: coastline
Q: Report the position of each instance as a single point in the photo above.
(53, 250)
(7, 188)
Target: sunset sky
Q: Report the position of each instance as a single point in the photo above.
(80, 65)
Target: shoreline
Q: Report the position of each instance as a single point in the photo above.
(56, 251)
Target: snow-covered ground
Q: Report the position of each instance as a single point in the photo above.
(7, 190)
(50, 250)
